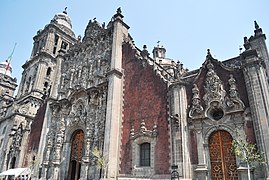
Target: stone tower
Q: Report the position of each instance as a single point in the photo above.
(38, 83)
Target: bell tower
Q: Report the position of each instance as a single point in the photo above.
(39, 78)
(49, 43)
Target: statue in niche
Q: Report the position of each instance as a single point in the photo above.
(233, 89)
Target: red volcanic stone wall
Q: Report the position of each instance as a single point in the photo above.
(250, 134)
(193, 145)
(35, 132)
(145, 98)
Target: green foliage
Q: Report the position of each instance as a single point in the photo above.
(101, 160)
(247, 152)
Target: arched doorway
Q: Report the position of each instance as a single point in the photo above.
(223, 161)
(76, 155)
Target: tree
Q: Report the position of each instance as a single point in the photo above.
(247, 152)
(101, 160)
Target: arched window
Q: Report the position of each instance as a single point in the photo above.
(145, 154)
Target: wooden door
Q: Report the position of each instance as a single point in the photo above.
(223, 161)
(76, 155)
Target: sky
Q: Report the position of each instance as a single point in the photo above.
(186, 28)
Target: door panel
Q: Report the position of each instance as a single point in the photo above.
(223, 162)
(76, 155)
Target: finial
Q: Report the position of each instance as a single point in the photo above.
(256, 25)
(258, 30)
(208, 52)
(158, 43)
(119, 10)
(145, 47)
(208, 56)
(65, 10)
(118, 14)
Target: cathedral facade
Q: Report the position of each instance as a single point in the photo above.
(98, 107)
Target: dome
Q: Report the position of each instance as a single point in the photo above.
(3, 66)
(63, 19)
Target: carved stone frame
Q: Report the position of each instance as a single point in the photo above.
(143, 171)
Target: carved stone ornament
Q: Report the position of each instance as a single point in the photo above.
(196, 108)
(143, 131)
(55, 109)
(214, 91)
(214, 95)
(233, 101)
(16, 140)
(87, 63)
(24, 109)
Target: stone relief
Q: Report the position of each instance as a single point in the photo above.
(233, 101)
(88, 62)
(16, 140)
(143, 131)
(196, 107)
(213, 87)
(217, 101)
(84, 110)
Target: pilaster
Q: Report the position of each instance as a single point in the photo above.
(180, 149)
(57, 76)
(41, 74)
(113, 124)
(258, 94)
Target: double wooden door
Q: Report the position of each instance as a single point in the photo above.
(76, 155)
(223, 161)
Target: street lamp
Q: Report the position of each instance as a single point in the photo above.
(174, 173)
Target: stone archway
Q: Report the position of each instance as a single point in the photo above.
(223, 161)
(77, 146)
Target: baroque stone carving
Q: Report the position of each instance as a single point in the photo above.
(196, 108)
(233, 101)
(213, 87)
(16, 140)
(143, 131)
(87, 64)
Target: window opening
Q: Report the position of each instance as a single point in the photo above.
(145, 154)
(48, 71)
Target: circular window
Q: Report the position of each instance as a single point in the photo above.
(216, 114)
